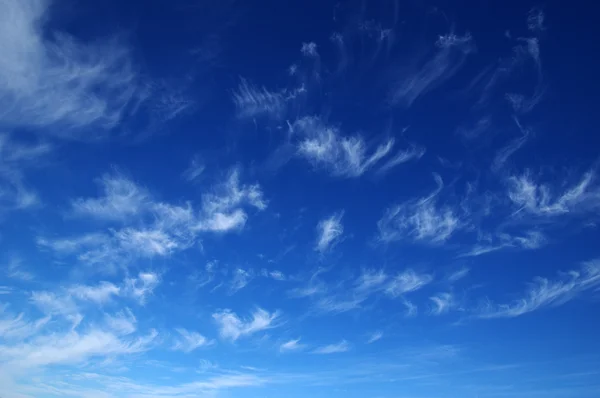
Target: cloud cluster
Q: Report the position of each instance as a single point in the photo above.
(161, 228)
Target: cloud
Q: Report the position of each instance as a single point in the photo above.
(375, 336)
(342, 346)
(309, 49)
(533, 198)
(240, 279)
(95, 81)
(528, 241)
(543, 292)
(458, 274)
(15, 270)
(161, 228)
(370, 280)
(504, 153)
(448, 59)
(195, 169)
(71, 348)
(142, 286)
(291, 345)
(231, 327)
(442, 303)
(535, 20)
(122, 323)
(329, 232)
(16, 158)
(189, 341)
(413, 152)
(251, 101)
(122, 199)
(326, 148)
(420, 220)
(406, 282)
(99, 294)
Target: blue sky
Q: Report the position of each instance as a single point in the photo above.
(391, 199)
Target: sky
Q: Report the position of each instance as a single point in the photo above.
(239, 199)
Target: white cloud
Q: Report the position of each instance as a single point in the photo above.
(122, 323)
(161, 228)
(543, 292)
(189, 341)
(95, 81)
(538, 199)
(98, 294)
(329, 232)
(342, 346)
(231, 327)
(529, 240)
(406, 282)
(458, 274)
(504, 153)
(420, 220)
(291, 345)
(239, 280)
(195, 169)
(309, 49)
(71, 348)
(325, 147)
(16, 157)
(142, 286)
(15, 270)
(375, 336)
(535, 20)
(122, 199)
(370, 280)
(251, 101)
(442, 303)
(413, 152)
(448, 59)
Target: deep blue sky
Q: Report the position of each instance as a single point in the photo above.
(393, 198)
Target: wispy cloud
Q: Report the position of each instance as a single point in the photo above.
(239, 280)
(342, 346)
(232, 327)
(252, 101)
(38, 68)
(420, 220)
(309, 49)
(458, 274)
(450, 54)
(291, 345)
(161, 228)
(188, 341)
(543, 292)
(16, 158)
(375, 336)
(406, 282)
(329, 232)
(195, 169)
(442, 303)
(101, 293)
(122, 198)
(531, 197)
(142, 286)
(507, 151)
(15, 270)
(528, 240)
(325, 147)
(535, 20)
